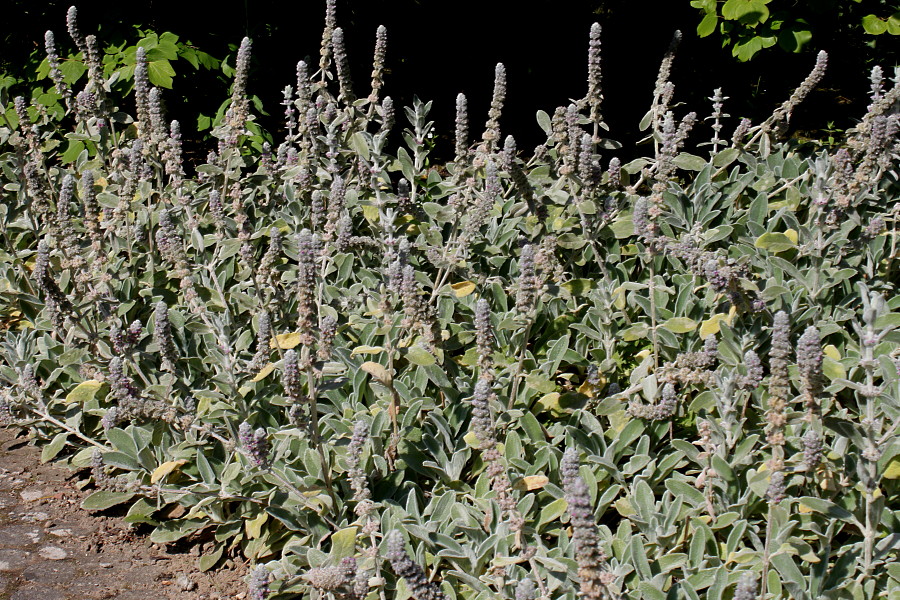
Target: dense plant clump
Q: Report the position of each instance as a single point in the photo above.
(517, 375)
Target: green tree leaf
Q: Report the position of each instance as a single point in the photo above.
(872, 24)
(161, 73)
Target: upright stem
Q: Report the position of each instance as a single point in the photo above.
(766, 555)
(514, 380)
(653, 334)
(314, 425)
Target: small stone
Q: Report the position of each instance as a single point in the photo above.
(184, 583)
(35, 517)
(14, 560)
(62, 532)
(32, 494)
(53, 553)
(106, 565)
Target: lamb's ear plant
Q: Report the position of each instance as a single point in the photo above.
(518, 375)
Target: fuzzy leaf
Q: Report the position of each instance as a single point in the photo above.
(165, 468)
(286, 341)
(377, 371)
(84, 391)
(463, 288)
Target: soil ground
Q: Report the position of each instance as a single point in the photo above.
(52, 549)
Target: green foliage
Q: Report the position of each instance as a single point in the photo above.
(749, 26)
(530, 365)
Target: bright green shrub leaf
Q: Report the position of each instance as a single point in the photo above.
(874, 25)
(708, 25)
(161, 73)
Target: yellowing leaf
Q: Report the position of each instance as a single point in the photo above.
(377, 371)
(711, 326)
(624, 507)
(254, 526)
(803, 509)
(367, 350)
(892, 470)
(343, 543)
(463, 288)
(164, 469)
(548, 402)
(84, 391)
(792, 235)
(286, 341)
(264, 372)
(472, 440)
(833, 369)
(619, 297)
(370, 213)
(831, 352)
(531, 482)
(776, 242)
(680, 324)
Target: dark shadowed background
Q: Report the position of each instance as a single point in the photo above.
(437, 49)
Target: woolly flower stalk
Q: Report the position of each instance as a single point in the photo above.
(167, 239)
(595, 92)
(416, 580)
(462, 127)
(327, 331)
(776, 491)
(327, 578)
(355, 473)
(378, 62)
(492, 128)
(258, 586)
(162, 335)
(330, 24)
(239, 111)
(255, 444)
(779, 383)
(74, 31)
(90, 207)
(53, 61)
(291, 381)
(783, 113)
(336, 202)
(525, 589)
(93, 56)
(342, 64)
(387, 115)
(482, 425)
(754, 375)
(484, 338)
(746, 588)
(306, 287)
(809, 363)
(264, 272)
(142, 92)
(172, 154)
(263, 337)
(812, 450)
(592, 568)
(662, 92)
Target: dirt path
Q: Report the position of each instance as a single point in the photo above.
(51, 549)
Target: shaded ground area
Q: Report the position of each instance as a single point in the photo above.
(51, 549)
